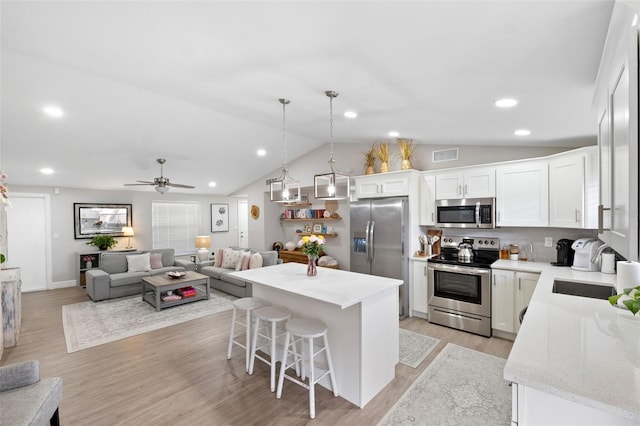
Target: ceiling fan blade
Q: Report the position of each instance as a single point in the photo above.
(139, 184)
(178, 185)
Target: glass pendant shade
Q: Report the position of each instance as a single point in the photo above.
(331, 184)
(284, 189)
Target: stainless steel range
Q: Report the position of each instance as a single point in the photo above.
(459, 283)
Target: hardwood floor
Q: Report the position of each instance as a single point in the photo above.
(180, 375)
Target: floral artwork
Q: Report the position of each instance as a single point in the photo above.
(312, 245)
(219, 217)
(4, 190)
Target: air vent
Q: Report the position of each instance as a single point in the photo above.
(445, 155)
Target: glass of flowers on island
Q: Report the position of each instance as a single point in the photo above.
(312, 245)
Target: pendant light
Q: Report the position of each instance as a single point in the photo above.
(284, 189)
(331, 184)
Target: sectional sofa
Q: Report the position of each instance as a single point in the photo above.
(120, 273)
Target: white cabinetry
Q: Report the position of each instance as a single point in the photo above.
(522, 194)
(419, 288)
(477, 182)
(383, 185)
(616, 100)
(511, 293)
(427, 199)
(573, 189)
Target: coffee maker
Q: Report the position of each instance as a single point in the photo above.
(564, 253)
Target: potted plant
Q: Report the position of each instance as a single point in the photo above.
(103, 242)
(370, 160)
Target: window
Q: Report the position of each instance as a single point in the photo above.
(175, 225)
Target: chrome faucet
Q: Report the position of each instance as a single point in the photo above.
(598, 252)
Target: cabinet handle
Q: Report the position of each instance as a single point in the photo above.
(424, 271)
(466, 189)
(459, 189)
(601, 209)
(519, 283)
(577, 216)
(433, 218)
(498, 216)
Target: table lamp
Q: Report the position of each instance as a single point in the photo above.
(127, 231)
(203, 242)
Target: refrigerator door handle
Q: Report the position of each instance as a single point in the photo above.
(371, 241)
(367, 245)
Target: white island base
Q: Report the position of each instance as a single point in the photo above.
(360, 311)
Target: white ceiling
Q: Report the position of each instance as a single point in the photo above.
(198, 82)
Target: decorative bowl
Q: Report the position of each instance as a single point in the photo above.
(176, 274)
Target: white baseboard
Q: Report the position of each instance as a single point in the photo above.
(63, 284)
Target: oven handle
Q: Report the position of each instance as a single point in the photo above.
(467, 270)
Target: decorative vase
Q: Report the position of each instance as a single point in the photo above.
(384, 167)
(312, 269)
(88, 264)
(406, 165)
(369, 170)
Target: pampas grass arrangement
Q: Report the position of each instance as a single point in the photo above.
(406, 153)
(370, 158)
(383, 155)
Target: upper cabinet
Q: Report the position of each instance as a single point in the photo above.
(573, 189)
(616, 103)
(477, 182)
(522, 194)
(427, 199)
(390, 184)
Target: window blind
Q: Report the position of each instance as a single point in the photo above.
(175, 225)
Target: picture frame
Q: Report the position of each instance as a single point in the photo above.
(219, 217)
(92, 219)
(307, 228)
(317, 228)
(304, 198)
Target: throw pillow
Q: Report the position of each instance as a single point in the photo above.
(245, 260)
(230, 258)
(156, 261)
(218, 262)
(139, 262)
(239, 262)
(256, 261)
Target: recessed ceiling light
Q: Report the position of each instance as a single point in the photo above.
(506, 103)
(522, 132)
(53, 111)
(212, 184)
(350, 114)
(261, 152)
(46, 171)
(394, 134)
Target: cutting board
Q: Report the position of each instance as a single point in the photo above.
(435, 248)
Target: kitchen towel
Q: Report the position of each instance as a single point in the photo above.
(628, 275)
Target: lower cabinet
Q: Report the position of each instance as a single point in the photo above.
(510, 293)
(419, 288)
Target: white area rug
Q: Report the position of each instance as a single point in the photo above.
(414, 347)
(460, 387)
(90, 324)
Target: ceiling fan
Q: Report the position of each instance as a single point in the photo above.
(161, 183)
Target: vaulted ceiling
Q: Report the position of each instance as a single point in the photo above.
(198, 82)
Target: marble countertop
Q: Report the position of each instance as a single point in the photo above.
(338, 287)
(577, 348)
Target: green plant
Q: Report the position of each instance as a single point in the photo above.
(3, 258)
(629, 298)
(103, 242)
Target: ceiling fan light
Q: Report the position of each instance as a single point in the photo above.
(162, 189)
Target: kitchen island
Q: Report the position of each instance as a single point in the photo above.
(575, 360)
(360, 311)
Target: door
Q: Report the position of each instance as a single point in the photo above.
(522, 195)
(359, 222)
(29, 246)
(243, 223)
(566, 191)
(502, 301)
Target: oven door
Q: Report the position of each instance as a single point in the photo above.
(460, 288)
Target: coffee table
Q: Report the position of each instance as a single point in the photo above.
(155, 285)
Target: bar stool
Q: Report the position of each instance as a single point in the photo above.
(267, 319)
(305, 330)
(246, 304)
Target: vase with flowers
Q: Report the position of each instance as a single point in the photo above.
(312, 246)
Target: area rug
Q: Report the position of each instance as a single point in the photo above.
(460, 387)
(414, 347)
(89, 324)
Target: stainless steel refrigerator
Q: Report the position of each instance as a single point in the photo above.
(378, 243)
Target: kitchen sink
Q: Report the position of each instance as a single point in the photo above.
(575, 288)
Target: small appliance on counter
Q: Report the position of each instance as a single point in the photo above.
(585, 250)
(564, 253)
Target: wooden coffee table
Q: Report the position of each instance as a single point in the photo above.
(154, 286)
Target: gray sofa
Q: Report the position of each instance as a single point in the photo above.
(220, 279)
(25, 398)
(113, 280)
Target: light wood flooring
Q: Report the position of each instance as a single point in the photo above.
(180, 375)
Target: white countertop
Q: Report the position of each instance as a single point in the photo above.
(577, 348)
(341, 288)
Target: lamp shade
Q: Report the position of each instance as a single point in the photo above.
(127, 231)
(203, 241)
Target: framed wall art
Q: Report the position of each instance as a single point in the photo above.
(219, 217)
(91, 219)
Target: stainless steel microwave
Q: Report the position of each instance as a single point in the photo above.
(466, 213)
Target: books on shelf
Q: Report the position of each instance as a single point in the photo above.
(304, 213)
(187, 292)
(170, 297)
